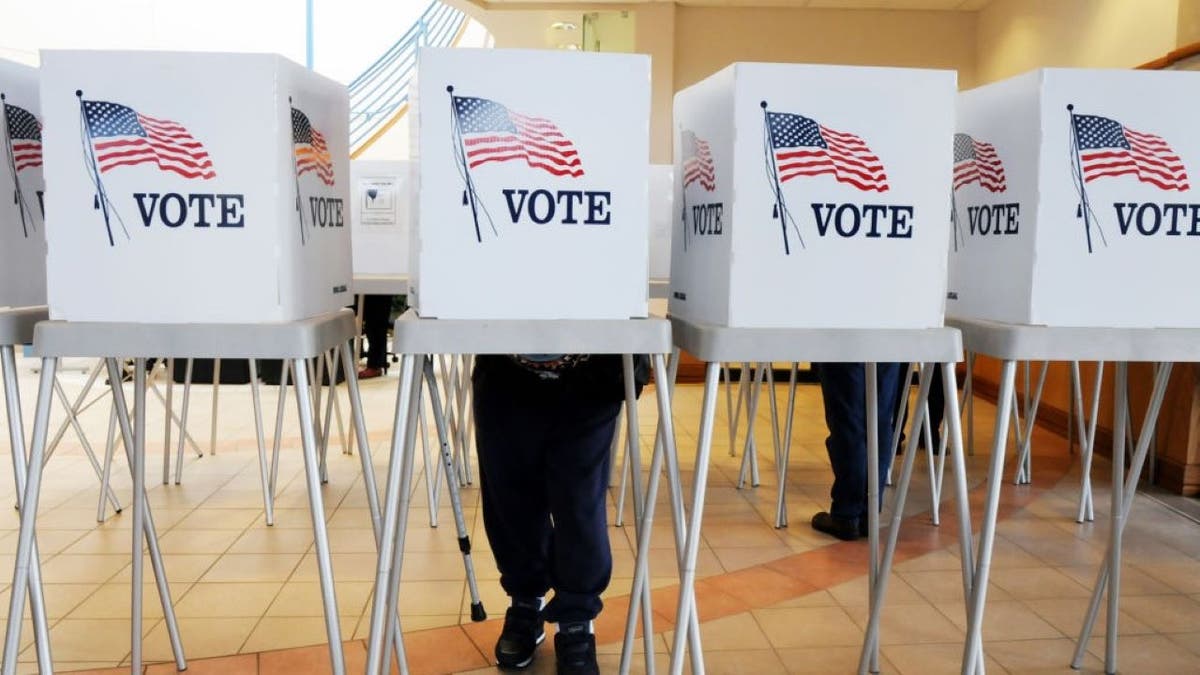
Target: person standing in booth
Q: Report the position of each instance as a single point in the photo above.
(377, 310)
(544, 426)
(843, 387)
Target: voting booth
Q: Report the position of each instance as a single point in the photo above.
(1074, 200)
(532, 185)
(22, 189)
(662, 215)
(812, 196)
(379, 216)
(194, 187)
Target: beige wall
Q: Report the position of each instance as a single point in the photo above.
(709, 38)
(1018, 35)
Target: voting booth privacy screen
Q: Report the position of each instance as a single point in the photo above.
(532, 183)
(22, 190)
(379, 216)
(662, 216)
(1075, 202)
(194, 187)
(812, 196)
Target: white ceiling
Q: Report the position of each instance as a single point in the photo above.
(940, 5)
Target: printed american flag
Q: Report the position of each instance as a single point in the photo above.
(493, 133)
(121, 136)
(1108, 148)
(312, 153)
(25, 134)
(698, 163)
(804, 148)
(977, 162)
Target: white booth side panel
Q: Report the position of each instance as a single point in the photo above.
(533, 184)
(842, 200)
(22, 190)
(994, 229)
(703, 238)
(1132, 262)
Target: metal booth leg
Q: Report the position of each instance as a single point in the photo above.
(16, 437)
(399, 473)
(263, 470)
(26, 556)
(317, 506)
(691, 549)
(134, 441)
(973, 647)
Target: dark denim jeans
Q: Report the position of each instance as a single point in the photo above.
(843, 387)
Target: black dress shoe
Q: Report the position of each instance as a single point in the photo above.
(846, 529)
(523, 631)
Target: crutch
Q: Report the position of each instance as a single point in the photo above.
(460, 523)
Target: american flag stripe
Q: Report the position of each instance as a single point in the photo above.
(27, 154)
(977, 162)
(166, 144)
(1108, 148)
(315, 157)
(847, 158)
(698, 162)
(493, 133)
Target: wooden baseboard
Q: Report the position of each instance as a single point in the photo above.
(1178, 478)
(1049, 417)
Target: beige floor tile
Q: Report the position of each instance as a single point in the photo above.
(211, 600)
(91, 639)
(1067, 616)
(303, 599)
(914, 624)
(61, 599)
(1005, 620)
(808, 627)
(203, 637)
(286, 632)
(1037, 582)
(112, 601)
(82, 568)
(197, 541)
(744, 662)
(1149, 654)
(219, 519)
(181, 567)
(1163, 613)
(856, 593)
(261, 539)
(346, 567)
(737, 632)
(1025, 656)
(253, 567)
(930, 659)
(824, 660)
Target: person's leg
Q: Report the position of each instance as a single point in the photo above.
(577, 472)
(577, 459)
(843, 388)
(937, 407)
(509, 440)
(377, 309)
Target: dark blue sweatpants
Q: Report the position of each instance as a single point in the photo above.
(543, 463)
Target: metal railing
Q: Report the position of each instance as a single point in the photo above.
(382, 90)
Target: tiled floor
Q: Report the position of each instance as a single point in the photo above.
(771, 601)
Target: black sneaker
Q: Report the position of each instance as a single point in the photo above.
(846, 529)
(575, 650)
(523, 631)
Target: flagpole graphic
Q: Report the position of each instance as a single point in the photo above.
(780, 209)
(460, 152)
(18, 196)
(296, 176)
(954, 223)
(101, 199)
(1085, 209)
